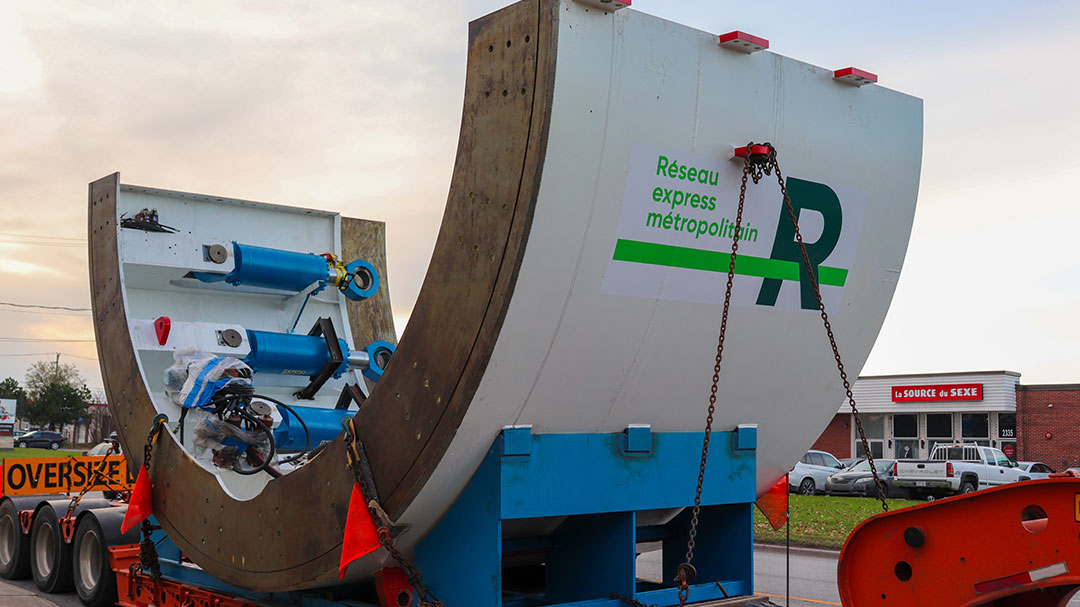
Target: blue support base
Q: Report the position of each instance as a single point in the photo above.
(600, 496)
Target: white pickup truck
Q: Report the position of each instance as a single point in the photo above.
(955, 469)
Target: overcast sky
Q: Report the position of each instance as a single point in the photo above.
(354, 106)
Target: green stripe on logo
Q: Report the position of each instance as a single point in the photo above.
(655, 254)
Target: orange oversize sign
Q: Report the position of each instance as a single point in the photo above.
(43, 475)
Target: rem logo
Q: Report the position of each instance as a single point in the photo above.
(806, 195)
(677, 223)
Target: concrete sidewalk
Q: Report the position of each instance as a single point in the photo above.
(13, 596)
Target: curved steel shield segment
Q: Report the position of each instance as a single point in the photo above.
(575, 284)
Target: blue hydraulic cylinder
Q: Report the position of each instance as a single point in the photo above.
(291, 354)
(276, 269)
(291, 271)
(322, 425)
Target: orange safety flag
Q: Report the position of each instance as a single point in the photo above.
(774, 504)
(141, 504)
(361, 536)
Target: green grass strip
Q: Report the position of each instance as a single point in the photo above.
(819, 521)
(672, 256)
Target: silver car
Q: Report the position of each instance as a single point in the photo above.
(809, 475)
(1036, 469)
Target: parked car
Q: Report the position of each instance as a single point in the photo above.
(100, 450)
(103, 447)
(809, 475)
(858, 480)
(957, 468)
(41, 438)
(1036, 469)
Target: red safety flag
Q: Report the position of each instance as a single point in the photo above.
(774, 504)
(361, 536)
(141, 504)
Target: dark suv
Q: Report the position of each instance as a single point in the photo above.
(40, 438)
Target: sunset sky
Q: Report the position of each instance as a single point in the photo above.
(354, 106)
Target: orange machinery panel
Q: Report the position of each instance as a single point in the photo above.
(1017, 544)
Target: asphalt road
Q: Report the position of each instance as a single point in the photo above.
(813, 575)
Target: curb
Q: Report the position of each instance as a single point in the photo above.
(800, 550)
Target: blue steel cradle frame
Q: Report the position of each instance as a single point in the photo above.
(603, 484)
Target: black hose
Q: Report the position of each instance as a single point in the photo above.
(253, 452)
(183, 414)
(307, 434)
(270, 435)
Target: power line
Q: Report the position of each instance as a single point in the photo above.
(69, 245)
(47, 313)
(51, 354)
(35, 236)
(20, 340)
(19, 305)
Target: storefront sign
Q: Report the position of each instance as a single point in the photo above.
(937, 393)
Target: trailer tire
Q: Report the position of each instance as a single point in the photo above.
(50, 557)
(90, 567)
(14, 544)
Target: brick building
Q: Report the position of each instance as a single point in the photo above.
(1047, 419)
(906, 415)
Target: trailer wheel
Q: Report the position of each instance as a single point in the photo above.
(92, 573)
(50, 560)
(14, 544)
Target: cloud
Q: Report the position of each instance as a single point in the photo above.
(355, 107)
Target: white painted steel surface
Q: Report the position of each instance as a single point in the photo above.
(570, 358)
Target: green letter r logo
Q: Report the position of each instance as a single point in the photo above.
(815, 197)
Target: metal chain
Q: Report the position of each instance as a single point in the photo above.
(685, 572)
(425, 598)
(772, 163)
(98, 472)
(148, 557)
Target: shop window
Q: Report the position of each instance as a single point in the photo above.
(1006, 425)
(906, 426)
(975, 425)
(877, 447)
(939, 425)
(874, 426)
